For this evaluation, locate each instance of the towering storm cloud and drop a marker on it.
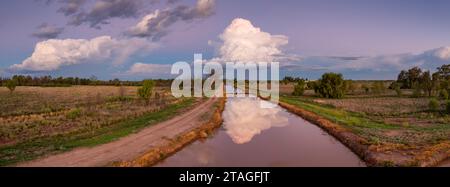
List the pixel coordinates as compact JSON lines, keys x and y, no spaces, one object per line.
{"x":244,"y":42}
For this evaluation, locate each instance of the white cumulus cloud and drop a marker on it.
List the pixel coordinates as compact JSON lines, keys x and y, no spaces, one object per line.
{"x":53,"y":54}
{"x":244,"y":42}
{"x":149,"y":69}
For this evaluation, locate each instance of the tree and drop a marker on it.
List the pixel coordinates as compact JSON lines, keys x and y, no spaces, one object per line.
{"x":11,"y":85}
{"x":444,"y":71}
{"x":299,"y":89}
{"x":331,"y":85}
{"x":410,"y":77}
{"x":426,"y":83}
{"x":145,"y":92}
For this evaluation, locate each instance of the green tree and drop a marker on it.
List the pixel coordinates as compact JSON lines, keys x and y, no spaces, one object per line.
{"x":145,"y":92}
{"x":11,"y":85}
{"x":410,"y":77}
{"x":433,"y":104}
{"x":426,"y":83}
{"x":331,"y":85}
{"x":299,"y":88}
{"x":443,"y":94}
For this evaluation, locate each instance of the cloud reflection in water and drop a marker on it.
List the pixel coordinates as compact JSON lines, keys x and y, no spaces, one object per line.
{"x":244,"y":118}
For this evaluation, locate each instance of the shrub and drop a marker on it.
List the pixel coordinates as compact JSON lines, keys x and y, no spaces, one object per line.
{"x":447,"y":107}
{"x":398,"y":91}
{"x":433,"y":104}
{"x":299,"y":89}
{"x":74,"y":113}
{"x":443,"y":94}
{"x":365,"y":88}
{"x":397,"y":88}
{"x":311,"y":85}
{"x":331,"y":85}
{"x":417,"y":91}
{"x":378,"y":87}
{"x":11,"y":85}
{"x":145,"y":92}
{"x":350,"y":86}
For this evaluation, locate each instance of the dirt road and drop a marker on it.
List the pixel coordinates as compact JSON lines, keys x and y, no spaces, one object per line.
{"x":130,"y":147}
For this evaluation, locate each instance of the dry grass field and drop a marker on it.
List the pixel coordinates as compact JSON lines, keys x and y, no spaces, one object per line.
{"x":398,"y":127}
{"x":38,"y":120}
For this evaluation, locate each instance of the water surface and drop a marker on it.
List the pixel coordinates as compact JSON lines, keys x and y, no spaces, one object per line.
{"x":256,"y":136}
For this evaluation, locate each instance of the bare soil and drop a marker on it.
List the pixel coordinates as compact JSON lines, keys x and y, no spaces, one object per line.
{"x":130,"y":147}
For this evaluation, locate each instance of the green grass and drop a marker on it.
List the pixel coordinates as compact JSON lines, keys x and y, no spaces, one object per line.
{"x":372,"y":130}
{"x":350,"y":119}
{"x":38,"y":147}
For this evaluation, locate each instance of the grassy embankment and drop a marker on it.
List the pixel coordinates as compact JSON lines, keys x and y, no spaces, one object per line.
{"x":377,"y":142}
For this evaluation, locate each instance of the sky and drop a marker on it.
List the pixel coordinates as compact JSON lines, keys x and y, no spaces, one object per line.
{"x":135,"y":39}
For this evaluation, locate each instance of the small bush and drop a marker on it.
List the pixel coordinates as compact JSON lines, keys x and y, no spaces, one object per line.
{"x":443,"y":94}
{"x":397,"y":88}
{"x":378,"y":87}
{"x":447,"y":107}
{"x":11,"y":85}
{"x":398,"y":91}
{"x":74,"y":113}
{"x":146,"y":90}
{"x":433,"y":104}
{"x":417,"y":92}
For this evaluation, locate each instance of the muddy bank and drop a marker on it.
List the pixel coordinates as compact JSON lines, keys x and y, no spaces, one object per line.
{"x":174,"y":145}
{"x":377,"y":155}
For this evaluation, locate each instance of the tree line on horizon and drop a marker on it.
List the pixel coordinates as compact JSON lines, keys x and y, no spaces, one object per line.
{"x":423,"y":83}
{"x":49,"y":81}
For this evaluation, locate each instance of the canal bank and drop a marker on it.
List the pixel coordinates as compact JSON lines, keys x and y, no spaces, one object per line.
{"x":255,"y":136}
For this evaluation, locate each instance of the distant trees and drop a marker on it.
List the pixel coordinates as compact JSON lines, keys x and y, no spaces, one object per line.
{"x":48,"y":81}
{"x":288,"y":79}
{"x":145,"y":92}
{"x":331,"y":85}
{"x":425,"y":83}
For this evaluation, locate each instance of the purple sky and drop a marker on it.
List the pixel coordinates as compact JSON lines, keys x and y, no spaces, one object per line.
{"x":315,"y":29}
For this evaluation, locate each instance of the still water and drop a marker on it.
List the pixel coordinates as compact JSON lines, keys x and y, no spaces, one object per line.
{"x":252,"y":135}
